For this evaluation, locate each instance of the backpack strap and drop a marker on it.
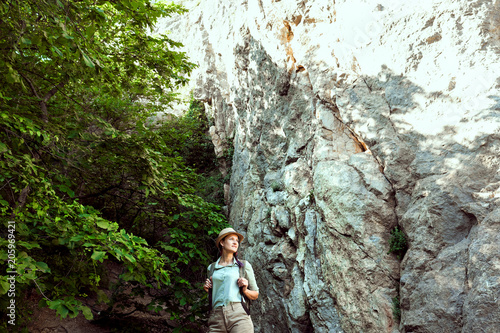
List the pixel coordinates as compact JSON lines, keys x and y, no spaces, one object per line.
{"x":245,"y":302}
{"x":211,"y":270}
{"x":242,"y":269}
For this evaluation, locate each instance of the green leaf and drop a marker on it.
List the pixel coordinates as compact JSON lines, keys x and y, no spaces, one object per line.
{"x":119,"y":253}
{"x":4,"y":286}
{"x":54,"y":304}
{"x":28,"y":245}
{"x":102,"y":297}
{"x":129,"y":257}
{"x":55,"y":49}
{"x":98,"y":255}
{"x":103,"y":224}
{"x":87,"y":60}
{"x":87,"y":313}
{"x":65,"y":35}
{"x":139,"y":240}
{"x":25,"y":41}
{"x":43,"y":267}
{"x":90,"y":30}
{"x":42,"y":303}
{"x":76,"y":238}
{"x":62,"y":310}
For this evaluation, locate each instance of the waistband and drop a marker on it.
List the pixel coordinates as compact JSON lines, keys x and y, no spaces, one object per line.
{"x":230,"y":306}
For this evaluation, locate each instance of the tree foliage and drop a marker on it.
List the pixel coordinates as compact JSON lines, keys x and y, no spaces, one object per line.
{"x":85,"y":174}
{"x":49,"y":45}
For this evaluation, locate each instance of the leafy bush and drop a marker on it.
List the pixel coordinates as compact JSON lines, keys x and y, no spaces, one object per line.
{"x":117,"y":196}
{"x":85,"y":178}
{"x":276,"y":186}
{"x":398,"y":243}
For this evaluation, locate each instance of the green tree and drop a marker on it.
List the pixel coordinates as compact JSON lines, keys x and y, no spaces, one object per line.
{"x":51,"y":47}
{"x":84,"y":174}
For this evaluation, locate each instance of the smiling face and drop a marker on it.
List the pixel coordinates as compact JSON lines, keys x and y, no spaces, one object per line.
{"x":230,"y":243}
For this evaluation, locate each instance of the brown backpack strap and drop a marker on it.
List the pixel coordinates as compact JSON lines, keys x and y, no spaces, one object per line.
{"x":245,"y":302}
{"x":242,"y":268}
{"x":211,"y":270}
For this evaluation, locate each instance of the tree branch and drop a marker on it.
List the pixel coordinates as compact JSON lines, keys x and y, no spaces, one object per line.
{"x":43,"y":101}
{"x":21,"y":200}
{"x":32,"y":86}
{"x":62,"y":92}
{"x":54,"y":90}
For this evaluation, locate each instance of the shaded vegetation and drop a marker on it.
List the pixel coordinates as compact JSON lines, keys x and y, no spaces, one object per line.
{"x":396,"y":308}
{"x":398,"y":243}
{"x":86,"y":175}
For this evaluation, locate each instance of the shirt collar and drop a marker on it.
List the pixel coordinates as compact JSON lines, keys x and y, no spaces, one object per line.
{"x":217,"y":266}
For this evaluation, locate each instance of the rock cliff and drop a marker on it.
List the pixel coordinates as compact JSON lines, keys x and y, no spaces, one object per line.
{"x":349,"y":118}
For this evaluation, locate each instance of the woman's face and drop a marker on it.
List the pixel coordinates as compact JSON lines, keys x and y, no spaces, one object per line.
{"x":230,"y":243}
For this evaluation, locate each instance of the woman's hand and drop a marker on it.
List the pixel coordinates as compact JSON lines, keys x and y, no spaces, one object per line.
{"x":243,"y":283}
{"x":251,"y":294}
{"x":207,"y":285}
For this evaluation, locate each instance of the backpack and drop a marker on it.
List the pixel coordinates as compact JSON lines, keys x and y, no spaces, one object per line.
{"x":245,"y":301}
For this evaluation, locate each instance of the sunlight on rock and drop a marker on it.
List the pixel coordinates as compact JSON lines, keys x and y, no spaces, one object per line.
{"x":350,"y":118}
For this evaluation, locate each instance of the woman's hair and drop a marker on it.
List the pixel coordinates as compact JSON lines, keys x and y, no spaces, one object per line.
{"x":239,"y":263}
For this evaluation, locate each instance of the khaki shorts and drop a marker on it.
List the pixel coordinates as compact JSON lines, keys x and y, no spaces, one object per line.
{"x":231,"y":318}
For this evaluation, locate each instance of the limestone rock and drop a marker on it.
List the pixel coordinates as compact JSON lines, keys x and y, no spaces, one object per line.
{"x":349,"y":118}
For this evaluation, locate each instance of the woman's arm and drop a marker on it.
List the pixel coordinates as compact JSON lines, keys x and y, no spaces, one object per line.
{"x":251,"y":294}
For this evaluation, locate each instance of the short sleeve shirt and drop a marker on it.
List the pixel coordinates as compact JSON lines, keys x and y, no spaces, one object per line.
{"x":225,"y":283}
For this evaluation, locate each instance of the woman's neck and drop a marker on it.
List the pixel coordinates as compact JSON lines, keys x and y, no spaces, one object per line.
{"x":226,"y":258}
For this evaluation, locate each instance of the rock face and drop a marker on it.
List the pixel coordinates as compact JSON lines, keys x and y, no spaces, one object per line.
{"x":349,"y":118}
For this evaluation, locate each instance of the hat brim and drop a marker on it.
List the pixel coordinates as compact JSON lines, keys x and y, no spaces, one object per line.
{"x":229,"y":232}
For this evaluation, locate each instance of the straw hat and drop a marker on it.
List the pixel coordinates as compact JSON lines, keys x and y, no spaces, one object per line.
{"x":225,"y":232}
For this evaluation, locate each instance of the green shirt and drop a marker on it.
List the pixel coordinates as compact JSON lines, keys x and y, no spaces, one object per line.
{"x":225,"y":283}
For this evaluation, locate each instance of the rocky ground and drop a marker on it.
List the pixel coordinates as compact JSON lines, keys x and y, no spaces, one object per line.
{"x":124,"y":319}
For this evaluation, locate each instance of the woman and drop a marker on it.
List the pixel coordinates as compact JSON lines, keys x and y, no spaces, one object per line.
{"x":228,"y":314}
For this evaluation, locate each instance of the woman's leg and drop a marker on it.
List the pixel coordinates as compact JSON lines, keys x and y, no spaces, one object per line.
{"x":237,"y":320}
{"x":216,"y":322}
